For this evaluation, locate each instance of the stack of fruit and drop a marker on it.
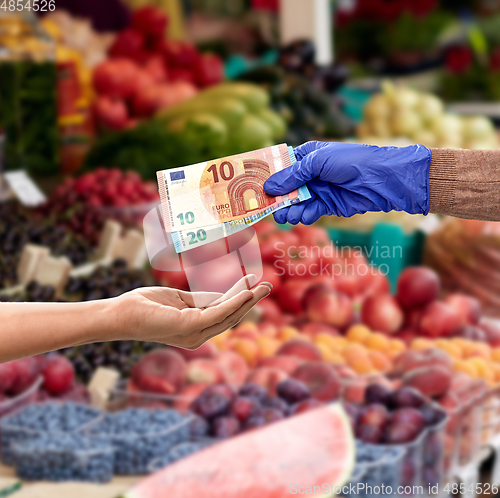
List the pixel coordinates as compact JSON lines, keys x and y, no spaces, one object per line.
{"x":20,"y":227}
{"x":82,"y":204}
{"x":420,"y":118}
{"x":146,"y":72}
{"x":38,"y":378}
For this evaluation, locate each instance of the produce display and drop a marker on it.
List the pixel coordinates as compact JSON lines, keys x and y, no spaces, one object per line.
{"x":222,"y":120}
{"x":146,"y":73}
{"x":402,"y":113}
{"x":466,"y":256}
{"x":303,"y":94}
{"x":345,"y":374}
{"x":21,"y":226}
{"x":293,"y":450}
{"x":82,"y":204}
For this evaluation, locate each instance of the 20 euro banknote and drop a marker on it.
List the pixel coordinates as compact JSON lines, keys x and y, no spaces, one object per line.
{"x":185,"y":240}
{"x":224,"y":190}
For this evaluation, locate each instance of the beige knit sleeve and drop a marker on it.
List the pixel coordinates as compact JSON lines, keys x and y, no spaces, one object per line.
{"x":465,"y":183}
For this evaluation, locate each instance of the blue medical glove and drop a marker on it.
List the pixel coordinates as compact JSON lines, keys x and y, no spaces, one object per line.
{"x":347,"y":179}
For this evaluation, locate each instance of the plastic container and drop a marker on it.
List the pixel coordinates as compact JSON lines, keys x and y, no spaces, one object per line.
{"x":13,"y":431}
{"x":135,"y":449}
{"x":387,"y":246}
{"x":129,"y":216}
{"x":121,"y":398}
{"x":68,"y":458}
{"x":17,"y":402}
{"x":368,"y":477}
{"x":491,"y":415}
{"x":182,"y":450}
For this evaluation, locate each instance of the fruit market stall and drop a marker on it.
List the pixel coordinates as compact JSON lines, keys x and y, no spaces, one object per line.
{"x":375,"y":361}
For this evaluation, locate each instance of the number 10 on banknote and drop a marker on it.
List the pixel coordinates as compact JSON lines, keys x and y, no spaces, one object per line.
{"x":223,"y":190}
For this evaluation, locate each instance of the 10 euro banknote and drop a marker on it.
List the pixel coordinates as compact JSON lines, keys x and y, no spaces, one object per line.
{"x":211,"y":200}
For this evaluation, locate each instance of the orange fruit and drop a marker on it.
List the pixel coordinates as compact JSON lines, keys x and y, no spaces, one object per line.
{"x":495,"y":354}
{"x":361,"y":364}
{"x":286,"y":333}
{"x":358,"y":333}
{"x":354,"y":349}
{"x":483,"y":368}
{"x":421,"y":343}
{"x":449,"y":347}
{"x":377,"y":342}
{"x":248,"y":349}
{"x":379,"y":361}
{"x":466,"y":367}
{"x":397,"y":345}
{"x":267,"y":345}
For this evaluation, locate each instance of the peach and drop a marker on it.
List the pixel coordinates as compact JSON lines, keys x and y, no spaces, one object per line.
{"x":354,"y":350}
{"x":205,"y":371}
{"x":450,"y":348}
{"x":466,"y":367}
{"x":248,"y":350}
{"x":301,"y":349}
{"x":287,"y":364}
{"x":267,"y":346}
{"x":267,"y":377}
{"x":327,"y":354}
{"x":479,"y":350}
{"x":246,"y":334}
{"x":286,"y":333}
{"x":411,"y":359}
{"x":344,"y":371}
{"x":432,"y":381}
{"x":358,"y":333}
{"x":467,"y":307}
{"x":313,"y":329}
{"x":234,"y":367}
{"x":397,"y":345}
{"x":321,"y":379}
{"x":325,"y":339}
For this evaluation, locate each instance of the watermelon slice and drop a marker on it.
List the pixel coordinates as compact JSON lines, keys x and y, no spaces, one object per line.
{"x":311,"y":449}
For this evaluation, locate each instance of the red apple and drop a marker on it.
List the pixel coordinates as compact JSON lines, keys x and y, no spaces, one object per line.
{"x":417,"y":286}
{"x":492,"y":333}
{"x":151,"y":21}
{"x":27,"y":370}
{"x":111,"y":112}
{"x":161,"y":371}
{"x":290,"y":295}
{"x":270,"y":311}
{"x":313,"y":236}
{"x":439,"y":320}
{"x":332,"y":308}
{"x":382,"y":313}
{"x":7,"y":376}
{"x":58,"y":374}
{"x":155,"y":68}
{"x":467,"y":307}
{"x":129,"y":43}
{"x":116,"y":78}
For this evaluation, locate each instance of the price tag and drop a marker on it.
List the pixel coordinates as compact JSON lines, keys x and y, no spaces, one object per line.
{"x":24,"y":188}
{"x":100,"y":386}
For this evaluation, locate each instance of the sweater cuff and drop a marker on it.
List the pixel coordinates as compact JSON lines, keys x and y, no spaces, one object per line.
{"x":442,"y":181}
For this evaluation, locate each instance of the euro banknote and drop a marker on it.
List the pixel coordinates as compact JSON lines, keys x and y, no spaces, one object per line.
{"x":230,"y":189}
{"x":185,"y":240}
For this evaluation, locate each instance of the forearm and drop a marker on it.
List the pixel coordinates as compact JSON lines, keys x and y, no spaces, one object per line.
{"x":465,"y":183}
{"x":28,"y":329}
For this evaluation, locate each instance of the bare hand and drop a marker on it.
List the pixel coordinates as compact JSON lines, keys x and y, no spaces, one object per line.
{"x":186,"y":319}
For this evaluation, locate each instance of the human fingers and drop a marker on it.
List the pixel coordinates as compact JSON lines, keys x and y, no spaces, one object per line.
{"x":199,"y":299}
{"x":245,"y":283}
{"x":281,"y":215}
{"x":217,"y":314}
{"x":259,"y":293}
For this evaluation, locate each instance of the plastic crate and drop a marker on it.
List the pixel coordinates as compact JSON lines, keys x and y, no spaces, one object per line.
{"x":405,"y":249}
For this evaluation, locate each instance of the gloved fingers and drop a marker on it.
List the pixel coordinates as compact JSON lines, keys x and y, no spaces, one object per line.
{"x":280,"y":216}
{"x":302,"y":150}
{"x":295,"y":212}
{"x":285,"y":181}
{"x":313,"y":212}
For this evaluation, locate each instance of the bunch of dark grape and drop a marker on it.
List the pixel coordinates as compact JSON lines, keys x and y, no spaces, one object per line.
{"x":20,"y":226}
{"x":120,"y":355}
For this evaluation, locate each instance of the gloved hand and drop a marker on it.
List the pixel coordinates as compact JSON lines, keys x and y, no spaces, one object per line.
{"x":347,"y":179}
